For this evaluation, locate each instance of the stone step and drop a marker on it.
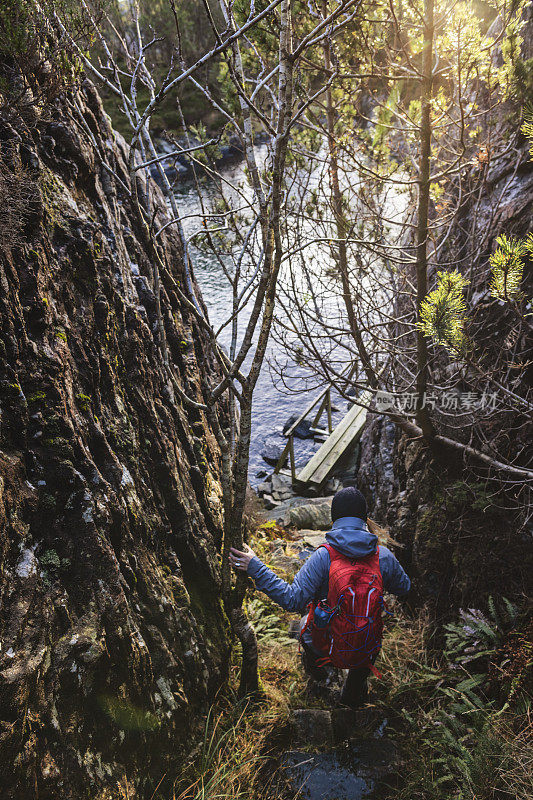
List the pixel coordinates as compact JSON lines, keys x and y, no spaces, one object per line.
{"x":337,"y":754}
{"x":311,"y":726}
{"x":359,"y":771}
{"x":318,"y":727}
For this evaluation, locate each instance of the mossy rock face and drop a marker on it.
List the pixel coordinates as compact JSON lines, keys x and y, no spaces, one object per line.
{"x":114,"y":639}
{"x":465,"y":549}
{"x":83,"y":401}
{"x":457,"y":543}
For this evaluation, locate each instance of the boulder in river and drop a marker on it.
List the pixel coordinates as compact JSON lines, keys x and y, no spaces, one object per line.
{"x":270,"y":502}
{"x":272,"y":449}
{"x":302,"y":430}
{"x":282,"y":487}
{"x":280,"y":482}
{"x":173,"y":169}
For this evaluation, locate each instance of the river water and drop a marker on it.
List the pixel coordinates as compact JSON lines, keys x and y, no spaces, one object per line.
{"x":273,"y":404}
{"x":274,"y":401}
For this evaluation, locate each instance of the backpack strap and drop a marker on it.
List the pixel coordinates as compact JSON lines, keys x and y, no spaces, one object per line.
{"x":334,"y":554}
{"x":373,"y":670}
{"x":309,"y":619}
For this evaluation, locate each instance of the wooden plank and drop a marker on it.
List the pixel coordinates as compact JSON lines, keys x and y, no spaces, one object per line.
{"x":283,"y":457}
{"x":318,"y":468}
{"x":330,"y":424}
{"x":306,"y":411}
{"x":293,"y":462}
{"x":323,"y":462}
{"x":319,"y":412}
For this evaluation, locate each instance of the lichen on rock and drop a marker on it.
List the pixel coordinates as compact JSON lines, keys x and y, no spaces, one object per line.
{"x":113,"y":636}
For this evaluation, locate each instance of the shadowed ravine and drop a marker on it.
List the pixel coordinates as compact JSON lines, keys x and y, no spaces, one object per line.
{"x":381,"y":247}
{"x":327,"y":751}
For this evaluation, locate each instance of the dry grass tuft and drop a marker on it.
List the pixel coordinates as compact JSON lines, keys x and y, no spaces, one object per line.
{"x":240,"y":738}
{"x":20,"y":187}
{"x":516,"y":776}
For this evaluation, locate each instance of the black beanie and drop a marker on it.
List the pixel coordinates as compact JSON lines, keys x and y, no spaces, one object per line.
{"x":348,"y":502}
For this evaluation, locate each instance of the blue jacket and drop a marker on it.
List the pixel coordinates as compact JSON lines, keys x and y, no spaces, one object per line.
{"x":350,"y":536}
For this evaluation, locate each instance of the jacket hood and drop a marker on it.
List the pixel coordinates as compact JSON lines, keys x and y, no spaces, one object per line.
{"x":351,"y":537}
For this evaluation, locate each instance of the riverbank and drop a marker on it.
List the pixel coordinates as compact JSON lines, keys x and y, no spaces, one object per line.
{"x":185,"y":155}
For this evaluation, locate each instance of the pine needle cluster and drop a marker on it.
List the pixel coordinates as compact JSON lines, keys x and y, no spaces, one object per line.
{"x":507,"y":263}
{"x":527,"y":127}
{"x":442,"y":313}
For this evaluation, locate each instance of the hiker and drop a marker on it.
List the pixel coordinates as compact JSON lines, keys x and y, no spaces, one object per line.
{"x":332,"y":633}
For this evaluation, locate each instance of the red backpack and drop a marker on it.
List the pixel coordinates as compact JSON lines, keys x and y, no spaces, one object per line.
{"x":347,"y":628}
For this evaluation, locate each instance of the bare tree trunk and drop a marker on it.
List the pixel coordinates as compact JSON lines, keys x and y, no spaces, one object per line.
{"x":249,"y":678}
{"x":249,"y":683}
{"x":422,"y":414}
{"x":340,"y":219}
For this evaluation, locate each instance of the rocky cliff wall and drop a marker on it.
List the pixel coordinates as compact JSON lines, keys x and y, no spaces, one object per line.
{"x":112,"y":633}
{"x":463,"y":537}
{"x":459,"y":538}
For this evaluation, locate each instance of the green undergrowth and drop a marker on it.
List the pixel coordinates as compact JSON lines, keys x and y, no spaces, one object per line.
{"x":462,"y":720}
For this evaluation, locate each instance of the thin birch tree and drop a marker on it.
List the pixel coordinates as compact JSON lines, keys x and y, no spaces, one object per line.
{"x":408,"y":118}
{"x":243,"y":228}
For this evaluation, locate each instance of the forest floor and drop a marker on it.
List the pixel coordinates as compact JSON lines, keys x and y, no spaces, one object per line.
{"x":456,"y":725}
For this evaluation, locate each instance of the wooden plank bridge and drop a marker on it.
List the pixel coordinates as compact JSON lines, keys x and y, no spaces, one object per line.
{"x":335,"y":442}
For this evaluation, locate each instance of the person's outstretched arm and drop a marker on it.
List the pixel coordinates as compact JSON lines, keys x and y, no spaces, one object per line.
{"x":291,"y":596}
{"x":395,"y":578}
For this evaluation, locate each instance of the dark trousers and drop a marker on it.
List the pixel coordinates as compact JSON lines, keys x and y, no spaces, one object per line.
{"x":355,"y":690}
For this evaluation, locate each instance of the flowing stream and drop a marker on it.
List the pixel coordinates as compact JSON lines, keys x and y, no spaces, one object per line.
{"x":275,"y":401}
{"x":273,"y":405}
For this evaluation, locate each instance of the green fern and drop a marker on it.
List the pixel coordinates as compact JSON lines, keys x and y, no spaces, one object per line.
{"x":268,"y":626}
{"x":458,"y":751}
{"x":478,"y":634}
